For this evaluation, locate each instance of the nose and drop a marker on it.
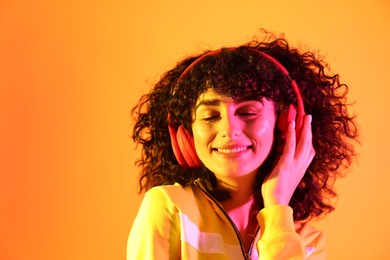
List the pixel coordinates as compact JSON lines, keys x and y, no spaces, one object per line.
{"x":230,"y":126}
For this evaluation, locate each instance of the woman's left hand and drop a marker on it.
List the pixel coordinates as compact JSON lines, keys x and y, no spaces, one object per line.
{"x":280,"y":184}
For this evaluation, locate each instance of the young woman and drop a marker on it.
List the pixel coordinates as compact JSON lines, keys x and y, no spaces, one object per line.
{"x":240,"y":148}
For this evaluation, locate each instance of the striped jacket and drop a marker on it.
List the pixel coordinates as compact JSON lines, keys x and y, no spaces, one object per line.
{"x":176,"y":222}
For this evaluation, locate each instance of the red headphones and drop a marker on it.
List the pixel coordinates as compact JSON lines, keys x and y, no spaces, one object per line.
{"x":183,"y":143}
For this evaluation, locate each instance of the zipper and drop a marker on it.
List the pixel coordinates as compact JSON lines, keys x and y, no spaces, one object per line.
{"x":246,"y":255}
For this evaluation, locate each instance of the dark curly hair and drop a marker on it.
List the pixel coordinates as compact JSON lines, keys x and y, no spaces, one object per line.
{"x":238,"y":72}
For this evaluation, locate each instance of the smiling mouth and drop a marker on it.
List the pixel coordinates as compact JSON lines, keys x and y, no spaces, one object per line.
{"x":231,"y":150}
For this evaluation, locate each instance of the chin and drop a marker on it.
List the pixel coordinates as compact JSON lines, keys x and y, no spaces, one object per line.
{"x":237,"y":173}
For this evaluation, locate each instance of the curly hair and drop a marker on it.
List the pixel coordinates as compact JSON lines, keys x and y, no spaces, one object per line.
{"x":238,"y":72}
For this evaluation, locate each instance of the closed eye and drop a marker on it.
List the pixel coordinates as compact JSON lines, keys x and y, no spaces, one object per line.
{"x":247,"y":115}
{"x":211,"y":118}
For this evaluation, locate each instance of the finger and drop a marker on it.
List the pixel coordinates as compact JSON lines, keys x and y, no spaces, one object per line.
{"x":305,"y":145}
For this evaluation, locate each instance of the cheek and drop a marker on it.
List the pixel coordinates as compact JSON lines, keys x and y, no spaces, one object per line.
{"x":201,"y":137}
{"x":264,"y":126}
{"x":264,"y":132}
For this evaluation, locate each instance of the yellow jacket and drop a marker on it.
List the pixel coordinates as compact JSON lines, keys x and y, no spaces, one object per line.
{"x":176,"y":222}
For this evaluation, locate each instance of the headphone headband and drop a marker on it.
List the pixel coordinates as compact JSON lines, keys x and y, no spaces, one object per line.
{"x":267,"y":56}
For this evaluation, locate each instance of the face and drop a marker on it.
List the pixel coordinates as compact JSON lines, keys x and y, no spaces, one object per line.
{"x":233,"y":137}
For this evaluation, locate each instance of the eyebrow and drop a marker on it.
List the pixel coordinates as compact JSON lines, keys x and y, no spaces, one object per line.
{"x":216,"y":101}
{"x":209,"y":102}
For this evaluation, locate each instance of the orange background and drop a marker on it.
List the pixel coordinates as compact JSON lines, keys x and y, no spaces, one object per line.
{"x":71,"y":70}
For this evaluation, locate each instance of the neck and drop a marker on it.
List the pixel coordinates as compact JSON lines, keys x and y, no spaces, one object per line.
{"x":235,"y":192}
{"x":240,"y":205}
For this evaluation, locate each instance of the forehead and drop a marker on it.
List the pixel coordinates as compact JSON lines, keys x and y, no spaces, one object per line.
{"x":213,"y":98}
{"x":210,"y":97}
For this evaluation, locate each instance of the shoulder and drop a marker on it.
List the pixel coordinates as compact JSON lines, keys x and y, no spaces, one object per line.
{"x":169,"y":192}
{"x":314,"y":240}
{"x":161,"y":203}
{"x":169,"y":196}
{"x":307,"y":231}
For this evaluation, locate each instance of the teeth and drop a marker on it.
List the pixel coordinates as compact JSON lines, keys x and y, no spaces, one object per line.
{"x":233,"y":150}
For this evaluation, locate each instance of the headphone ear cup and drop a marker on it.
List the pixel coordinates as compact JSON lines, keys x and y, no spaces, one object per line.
{"x":175,"y":146}
{"x":286,"y":117}
{"x":186,"y":144}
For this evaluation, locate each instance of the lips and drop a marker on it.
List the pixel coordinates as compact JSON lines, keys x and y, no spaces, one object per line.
{"x":232,"y":150}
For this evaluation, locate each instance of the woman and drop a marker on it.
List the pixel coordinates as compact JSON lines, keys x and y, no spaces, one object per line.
{"x":240,"y":148}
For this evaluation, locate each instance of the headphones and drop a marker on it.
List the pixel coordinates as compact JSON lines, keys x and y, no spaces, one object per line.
{"x":183,"y":143}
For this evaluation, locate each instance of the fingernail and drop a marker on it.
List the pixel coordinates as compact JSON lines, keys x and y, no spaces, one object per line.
{"x":293,"y":124}
{"x":310,"y":118}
